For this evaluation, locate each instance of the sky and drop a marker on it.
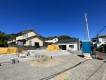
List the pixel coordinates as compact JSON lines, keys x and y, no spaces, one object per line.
{"x":53,"y":17}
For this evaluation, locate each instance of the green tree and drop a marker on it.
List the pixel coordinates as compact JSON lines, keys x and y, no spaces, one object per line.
{"x":3,"y":39}
{"x":11,"y":36}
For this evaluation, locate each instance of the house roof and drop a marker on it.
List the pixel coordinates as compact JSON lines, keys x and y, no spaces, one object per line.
{"x":40,"y":37}
{"x":50,"y":38}
{"x":102,"y":36}
{"x":67,"y":41}
{"x":27,"y":31}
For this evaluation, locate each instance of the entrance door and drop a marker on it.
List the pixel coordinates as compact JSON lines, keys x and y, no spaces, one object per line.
{"x":63,"y":47}
{"x":37,"y":45}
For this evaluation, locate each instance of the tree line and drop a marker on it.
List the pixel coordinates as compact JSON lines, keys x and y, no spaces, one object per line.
{"x":4,"y":38}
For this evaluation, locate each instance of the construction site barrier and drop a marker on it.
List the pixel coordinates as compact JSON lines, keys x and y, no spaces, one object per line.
{"x":10,"y":50}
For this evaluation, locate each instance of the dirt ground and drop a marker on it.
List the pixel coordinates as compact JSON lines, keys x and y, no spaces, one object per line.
{"x":48,"y":63}
{"x":51,"y":63}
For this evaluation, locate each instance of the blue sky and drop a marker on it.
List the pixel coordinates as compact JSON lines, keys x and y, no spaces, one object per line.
{"x":53,"y":17}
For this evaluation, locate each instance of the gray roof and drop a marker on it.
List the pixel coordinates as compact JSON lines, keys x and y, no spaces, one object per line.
{"x":102,"y":36}
{"x":67,"y":41}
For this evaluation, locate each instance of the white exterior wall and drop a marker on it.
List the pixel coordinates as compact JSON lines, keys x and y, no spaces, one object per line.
{"x":32,"y":42}
{"x":73,"y":49}
{"x":69,"y":48}
{"x":101,"y":41}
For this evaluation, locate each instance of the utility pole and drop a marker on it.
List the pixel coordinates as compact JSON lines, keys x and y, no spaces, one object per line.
{"x":86,"y":28}
{"x":86,"y":44}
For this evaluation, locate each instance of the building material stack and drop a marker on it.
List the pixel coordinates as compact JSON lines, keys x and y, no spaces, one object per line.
{"x":53,"y":47}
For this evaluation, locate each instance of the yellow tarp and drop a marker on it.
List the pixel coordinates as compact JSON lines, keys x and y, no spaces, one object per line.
{"x":3,"y":50}
{"x":53,"y":47}
{"x":9,"y":50}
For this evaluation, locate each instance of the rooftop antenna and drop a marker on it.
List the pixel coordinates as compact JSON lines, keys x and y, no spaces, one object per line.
{"x":87,"y":28}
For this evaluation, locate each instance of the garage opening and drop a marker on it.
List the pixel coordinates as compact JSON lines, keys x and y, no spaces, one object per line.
{"x":37,"y":45}
{"x":63,"y":47}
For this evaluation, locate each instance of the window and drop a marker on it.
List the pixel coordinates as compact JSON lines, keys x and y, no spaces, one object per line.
{"x":71,"y":46}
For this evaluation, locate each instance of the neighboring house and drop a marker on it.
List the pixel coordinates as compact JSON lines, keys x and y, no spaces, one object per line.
{"x":69,"y":45}
{"x":65,"y":43}
{"x":99,"y":41}
{"x":28,"y":38}
{"x":52,"y":40}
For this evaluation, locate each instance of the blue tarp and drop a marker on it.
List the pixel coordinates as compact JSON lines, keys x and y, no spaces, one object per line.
{"x":86,"y":47}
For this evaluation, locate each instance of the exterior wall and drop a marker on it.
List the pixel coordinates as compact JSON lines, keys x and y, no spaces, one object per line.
{"x":101,"y":41}
{"x":32,"y":42}
{"x":74,"y":48}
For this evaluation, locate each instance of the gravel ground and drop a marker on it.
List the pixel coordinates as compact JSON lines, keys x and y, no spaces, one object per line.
{"x":19,"y":71}
{"x":33,"y":53}
{"x":24,"y":71}
{"x":7,"y":57}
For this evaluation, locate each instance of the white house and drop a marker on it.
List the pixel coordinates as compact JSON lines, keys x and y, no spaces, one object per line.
{"x":99,"y":41}
{"x":73,"y":46}
{"x":102,"y":40}
{"x":28,"y":38}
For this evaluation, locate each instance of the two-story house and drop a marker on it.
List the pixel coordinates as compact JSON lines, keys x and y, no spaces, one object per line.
{"x":28,"y":38}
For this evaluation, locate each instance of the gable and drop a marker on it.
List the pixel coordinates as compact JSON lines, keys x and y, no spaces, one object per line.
{"x":26,"y":35}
